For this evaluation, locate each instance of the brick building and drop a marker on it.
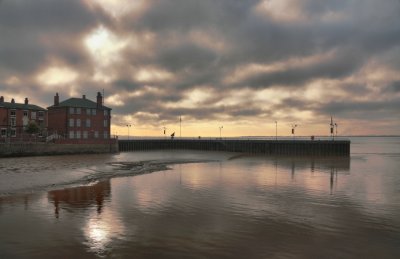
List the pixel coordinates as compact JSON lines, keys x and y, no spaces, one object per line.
{"x":79,"y":120}
{"x":15,"y":118}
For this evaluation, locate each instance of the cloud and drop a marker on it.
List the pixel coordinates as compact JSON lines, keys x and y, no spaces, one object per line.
{"x":242,"y":60}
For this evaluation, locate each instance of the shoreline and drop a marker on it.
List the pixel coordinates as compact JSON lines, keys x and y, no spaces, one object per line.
{"x":116,"y":169}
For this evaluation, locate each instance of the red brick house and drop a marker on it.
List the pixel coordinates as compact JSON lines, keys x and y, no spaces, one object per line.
{"x":15,"y":117}
{"x":79,"y":120}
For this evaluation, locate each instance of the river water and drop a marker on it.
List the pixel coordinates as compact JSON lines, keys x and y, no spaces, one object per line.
{"x":189,"y":204}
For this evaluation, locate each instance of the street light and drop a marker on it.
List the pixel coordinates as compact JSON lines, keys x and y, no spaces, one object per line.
{"x":336,"y":126}
{"x":276,"y":130}
{"x":220,"y":129}
{"x":128,"y":126}
{"x":293,"y":130}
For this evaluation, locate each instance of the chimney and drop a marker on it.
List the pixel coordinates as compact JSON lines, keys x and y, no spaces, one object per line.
{"x":12,"y":100}
{"x":99,"y":99}
{"x":84,"y":97}
{"x":56,"y":100}
{"x":26,"y":101}
{"x":1,"y":99}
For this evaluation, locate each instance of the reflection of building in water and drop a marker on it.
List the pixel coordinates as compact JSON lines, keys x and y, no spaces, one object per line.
{"x":81,"y":197}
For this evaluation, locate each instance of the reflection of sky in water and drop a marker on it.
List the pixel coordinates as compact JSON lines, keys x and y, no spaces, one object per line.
{"x":245,"y":207}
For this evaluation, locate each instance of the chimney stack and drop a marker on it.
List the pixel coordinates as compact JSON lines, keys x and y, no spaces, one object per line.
{"x":12,"y":100}
{"x":56,"y":100}
{"x":26,"y":101}
{"x":84,"y":97}
{"x":99,"y":99}
{"x":1,"y":99}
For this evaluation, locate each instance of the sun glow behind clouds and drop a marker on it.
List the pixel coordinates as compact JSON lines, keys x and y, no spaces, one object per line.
{"x":118,"y":8}
{"x":57,"y":76}
{"x":104,"y":48}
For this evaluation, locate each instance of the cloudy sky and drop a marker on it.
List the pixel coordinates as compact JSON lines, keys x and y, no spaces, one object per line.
{"x":243,"y":64}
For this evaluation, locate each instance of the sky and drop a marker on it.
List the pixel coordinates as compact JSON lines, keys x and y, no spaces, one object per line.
{"x":238,"y":64}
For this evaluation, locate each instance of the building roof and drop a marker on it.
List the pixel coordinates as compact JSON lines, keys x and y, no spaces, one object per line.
{"x":79,"y":102}
{"x":21,"y":106}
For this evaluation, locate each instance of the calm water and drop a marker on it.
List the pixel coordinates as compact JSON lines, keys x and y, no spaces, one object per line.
{"x":232,"y":207}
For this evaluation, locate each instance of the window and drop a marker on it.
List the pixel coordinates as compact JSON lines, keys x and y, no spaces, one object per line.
{"x":13,"y":121}
{"x":25,"y":113}
{"x":12,"y":113}
{"x":87,"y":123}
{"x":71,"y":134}
{"x":71,"y":122}
{"x":33,"y":115}
{"x":71,"y":110}
{"x":78,"y":134}
{"x":96,"y":134}
{"x":105,"y":112}
{"x":78,"y":122}
{"x":105,"y":135}
{"x":78,"y":110}
{"x":13,"y":132}
{"x":94,"y":112}
{"x":3,"y":133}
{"x":85,"y":134}
{"x":41,"y":115}
{"x":105,"y":123}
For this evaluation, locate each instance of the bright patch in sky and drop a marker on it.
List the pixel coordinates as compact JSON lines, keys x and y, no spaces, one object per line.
{"x":104,"y":46}
{"x":57,"y":76}
{"x":152,"y":74}
{"x":114,"y":100}
{"x":118,"y":8}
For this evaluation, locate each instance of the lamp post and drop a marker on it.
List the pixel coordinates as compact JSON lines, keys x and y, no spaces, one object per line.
{"x":336,"y":126}
{"x":293,"y":130}
{"x":128,"y":126}
{"x":180,"y":126}
{"x":276,"y":130}
{"x":165,"y":131}
{"x":220,"y":129}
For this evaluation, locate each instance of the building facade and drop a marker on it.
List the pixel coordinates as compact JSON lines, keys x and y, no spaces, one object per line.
{"x":16,"y":118}
{"x":79,"y":120}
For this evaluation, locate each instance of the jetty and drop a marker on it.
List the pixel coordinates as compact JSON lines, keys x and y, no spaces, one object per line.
{"x":252,"y":146}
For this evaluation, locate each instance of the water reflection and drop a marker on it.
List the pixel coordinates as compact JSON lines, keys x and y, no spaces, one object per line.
{"x":81,"y":197}
{"x":332,"y":165}
{"x":102,"y":225}
{"x":244,"y":207}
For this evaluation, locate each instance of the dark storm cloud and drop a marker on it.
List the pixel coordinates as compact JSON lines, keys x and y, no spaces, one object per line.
{"x":33,"y":31}
{"x":394,"y":87}
{"x":337,"y":67}
{"x":363,"y":109}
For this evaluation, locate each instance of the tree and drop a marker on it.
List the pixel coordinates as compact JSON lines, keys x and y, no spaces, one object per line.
{"x":32,"y":128}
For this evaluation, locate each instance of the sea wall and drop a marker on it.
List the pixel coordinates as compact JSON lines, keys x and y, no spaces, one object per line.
{"x":42,"y":149}
{"x":268,"y":147}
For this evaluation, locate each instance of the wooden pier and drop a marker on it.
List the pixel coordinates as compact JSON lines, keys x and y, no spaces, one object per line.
{"x":267,"y":147}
